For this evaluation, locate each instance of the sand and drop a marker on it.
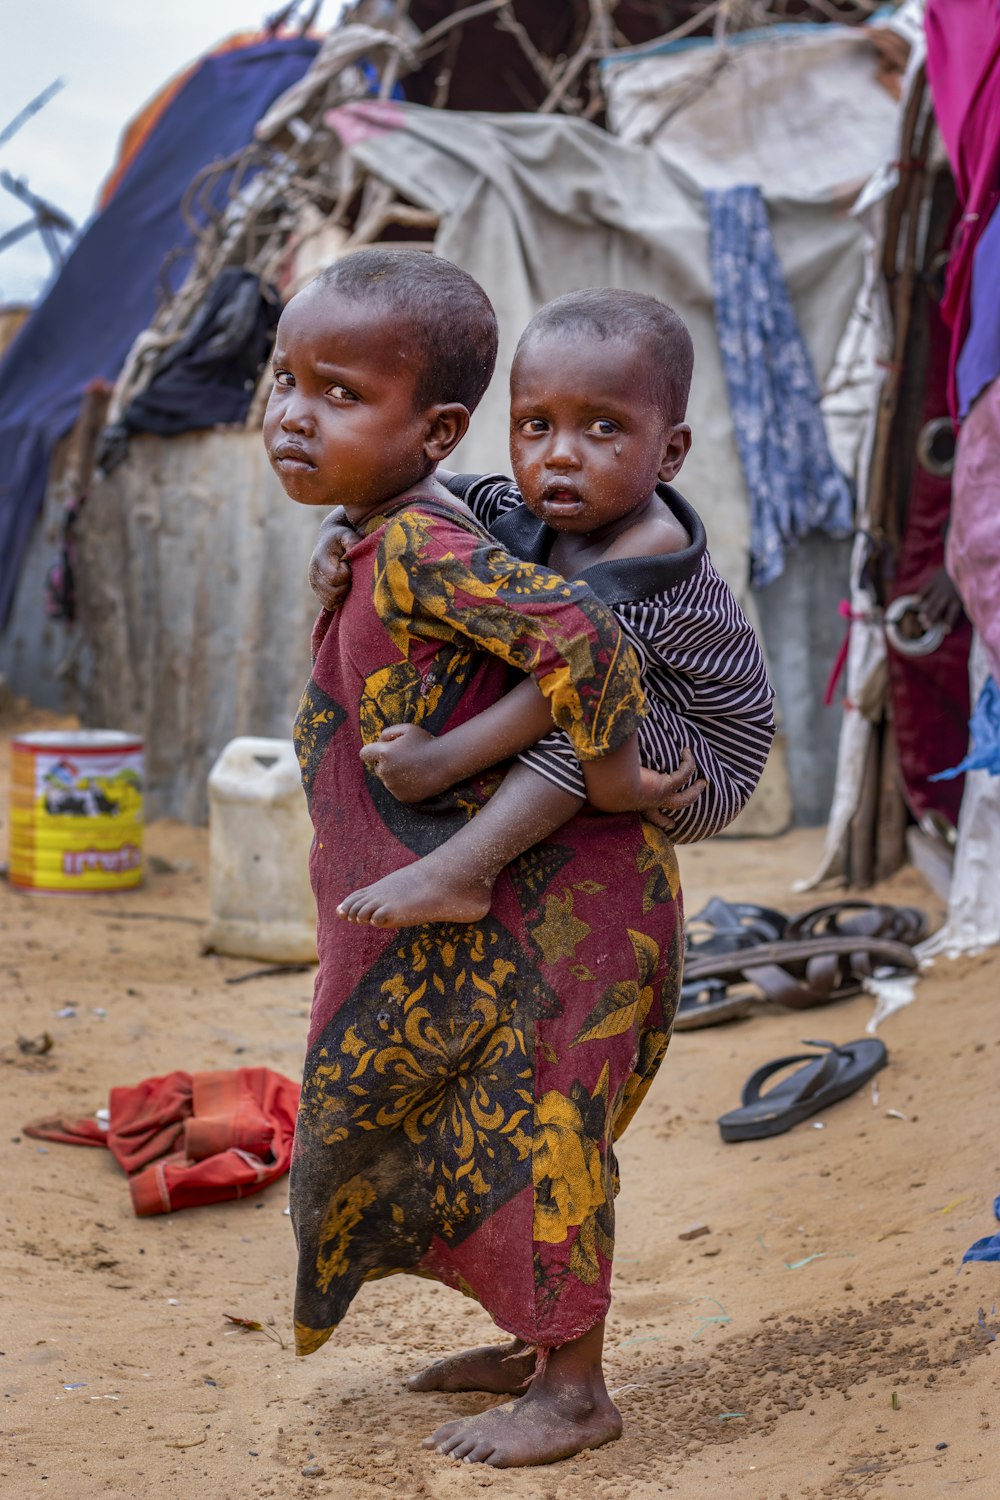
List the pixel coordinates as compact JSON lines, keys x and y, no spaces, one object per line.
{"x":821,"y":1340}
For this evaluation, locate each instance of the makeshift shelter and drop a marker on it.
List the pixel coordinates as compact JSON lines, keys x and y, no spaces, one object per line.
{"x":81,"y":332}
{"x":192,"y":607}
{"x":934,"y":290}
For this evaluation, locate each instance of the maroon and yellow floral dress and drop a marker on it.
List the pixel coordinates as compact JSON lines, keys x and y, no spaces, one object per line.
{"x":465,"y":1082}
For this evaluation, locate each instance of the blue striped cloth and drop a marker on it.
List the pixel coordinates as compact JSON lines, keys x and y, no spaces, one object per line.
{"x":795,"y":487}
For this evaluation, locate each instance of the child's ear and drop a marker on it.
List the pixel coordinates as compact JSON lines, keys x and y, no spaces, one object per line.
{"x":676,"y":450}
{"x":446,"y":427}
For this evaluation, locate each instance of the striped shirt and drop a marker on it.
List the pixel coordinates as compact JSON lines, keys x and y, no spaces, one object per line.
{"x":703,"y":672}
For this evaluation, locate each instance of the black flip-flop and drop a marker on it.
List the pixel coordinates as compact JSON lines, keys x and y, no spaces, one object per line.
{"x":826,"y":1076}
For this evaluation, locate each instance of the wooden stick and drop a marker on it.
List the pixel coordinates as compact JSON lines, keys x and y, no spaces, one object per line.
{"x":435,"y":33}
{"x":546,"y":70}
{"x":659,"y":42}
{"x":570,"y":72}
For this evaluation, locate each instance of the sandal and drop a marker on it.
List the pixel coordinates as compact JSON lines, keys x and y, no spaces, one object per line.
{"x":903,"y":924}
{"x":809,"y":972}
{"x":707,"y":1002}
{"x":826,"y":1076}
{"x":729,"y":926}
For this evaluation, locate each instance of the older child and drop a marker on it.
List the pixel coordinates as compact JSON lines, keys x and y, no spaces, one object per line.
{"x":464,"y":1083}
{"x":599,"y":387}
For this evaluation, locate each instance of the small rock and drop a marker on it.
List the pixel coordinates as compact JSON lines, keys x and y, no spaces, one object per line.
{"x":939,"y":1446}
{"x":313,"y":1471}
{"x":694,"y":1232}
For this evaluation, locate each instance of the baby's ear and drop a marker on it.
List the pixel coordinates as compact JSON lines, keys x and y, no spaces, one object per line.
{"x":447,"y":425}
{"x":676,"y":450}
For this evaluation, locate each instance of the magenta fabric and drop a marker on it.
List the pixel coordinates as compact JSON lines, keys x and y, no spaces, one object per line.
{"x":963,"y":70}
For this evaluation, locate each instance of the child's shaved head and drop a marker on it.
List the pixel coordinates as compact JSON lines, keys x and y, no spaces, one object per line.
{"x":445,"y":318}
{"x":659,"y":335}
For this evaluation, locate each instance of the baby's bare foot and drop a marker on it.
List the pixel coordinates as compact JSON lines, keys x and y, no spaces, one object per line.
{"x":540,"y":1428}
{"x":422,"y":892}
{"x":503,"y":1369}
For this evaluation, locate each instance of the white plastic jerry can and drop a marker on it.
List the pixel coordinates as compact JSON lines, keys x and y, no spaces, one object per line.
{"x":259,"y":837}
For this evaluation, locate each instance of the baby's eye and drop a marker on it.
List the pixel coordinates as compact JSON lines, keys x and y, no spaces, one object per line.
{"x":533,"y":425}
{"x":603,"y":427}
{"x":283,"y":379}
{"x":341,"y":393}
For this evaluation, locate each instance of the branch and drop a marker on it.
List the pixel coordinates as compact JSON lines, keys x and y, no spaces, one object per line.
{"x":468,"y":14}
{"x":647,"y":49}
{"x":547,"y":72}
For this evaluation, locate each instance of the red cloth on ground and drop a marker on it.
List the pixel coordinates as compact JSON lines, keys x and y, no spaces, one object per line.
{"x":187,"y":1139}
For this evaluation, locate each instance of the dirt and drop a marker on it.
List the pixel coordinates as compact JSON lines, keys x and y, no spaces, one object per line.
{"x":822,"y":1340}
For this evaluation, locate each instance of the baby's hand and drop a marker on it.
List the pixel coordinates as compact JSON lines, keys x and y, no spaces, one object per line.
{"x":329,"y":572}
{"x":409,"y":762}
{"x":665,"y":793}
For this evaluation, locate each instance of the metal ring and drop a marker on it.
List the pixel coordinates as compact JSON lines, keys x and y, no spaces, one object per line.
{"x":906,"y":645}
{"x":936,"y":447}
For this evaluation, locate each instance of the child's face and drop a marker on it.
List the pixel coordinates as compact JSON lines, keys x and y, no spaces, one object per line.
{"x":588,"y":438}
{"x":341,"y":427}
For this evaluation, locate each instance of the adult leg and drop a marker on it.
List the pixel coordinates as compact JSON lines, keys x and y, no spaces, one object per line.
{"x":455,"y":882}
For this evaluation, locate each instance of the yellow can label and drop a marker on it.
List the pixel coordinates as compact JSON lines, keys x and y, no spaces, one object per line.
{"x":76,"y":818}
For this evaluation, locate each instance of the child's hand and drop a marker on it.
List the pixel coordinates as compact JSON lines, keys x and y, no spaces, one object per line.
{"x":665,"y":793}
{"x":329,"y":572}
{"x":410,"y":763}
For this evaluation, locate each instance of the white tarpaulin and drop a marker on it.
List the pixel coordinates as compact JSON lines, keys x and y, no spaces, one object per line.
{"x":795,"y":109}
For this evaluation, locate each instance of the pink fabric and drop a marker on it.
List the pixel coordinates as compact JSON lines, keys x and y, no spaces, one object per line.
{"x":973,"y":554}
{"x":358,"y":122}
{"x":963,"y":70}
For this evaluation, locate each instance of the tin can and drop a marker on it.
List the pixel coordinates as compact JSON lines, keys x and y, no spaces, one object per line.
{"x":76,"y":810}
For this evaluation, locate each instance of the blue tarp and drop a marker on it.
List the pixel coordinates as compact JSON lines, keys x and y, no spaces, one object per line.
{"x":106,"y":293}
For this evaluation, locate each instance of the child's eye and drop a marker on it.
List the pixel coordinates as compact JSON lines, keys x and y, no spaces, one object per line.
{"x":604,"y":427}
{"x":283,"y":379}
{"x":341,"y":393}
{"x":533,"y":425}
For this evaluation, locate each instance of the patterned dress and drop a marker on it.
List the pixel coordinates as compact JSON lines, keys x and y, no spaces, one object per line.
{"x":464,"y":1083}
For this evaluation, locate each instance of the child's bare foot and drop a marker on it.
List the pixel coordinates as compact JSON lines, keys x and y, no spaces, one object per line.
{"x":431,"y":890}
{"x":565,"y":1409}
{"x":540,"y":1428}
{"x":503,"y":1369}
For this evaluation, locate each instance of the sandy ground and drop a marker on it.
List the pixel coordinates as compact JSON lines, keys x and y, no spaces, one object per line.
{"x":821,"y":1341}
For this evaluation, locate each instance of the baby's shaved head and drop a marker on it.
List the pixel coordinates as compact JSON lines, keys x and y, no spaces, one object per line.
{"x":439,"y":311}
{"x":659,"y":335}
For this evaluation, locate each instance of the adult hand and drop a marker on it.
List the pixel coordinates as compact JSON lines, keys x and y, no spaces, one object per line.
{"x":939,"y":602}
{"x":329,"y":572}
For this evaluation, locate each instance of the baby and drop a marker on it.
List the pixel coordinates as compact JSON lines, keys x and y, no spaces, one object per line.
{"x":599,"y":388}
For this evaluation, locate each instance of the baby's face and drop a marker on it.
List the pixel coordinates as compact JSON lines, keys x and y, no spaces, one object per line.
{"x":341,"y":427}
{"x":587,"y":435}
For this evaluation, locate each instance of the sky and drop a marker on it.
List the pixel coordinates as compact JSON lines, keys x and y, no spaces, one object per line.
{"x":113,"y":55}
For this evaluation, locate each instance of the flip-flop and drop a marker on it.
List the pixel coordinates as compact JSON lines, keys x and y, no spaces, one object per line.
{"x":902,"y":924}
{"x":729,"y":926}
{"x":824,"y":1078}
{"x":809,"y":972}
{"x":708,"y":1002}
